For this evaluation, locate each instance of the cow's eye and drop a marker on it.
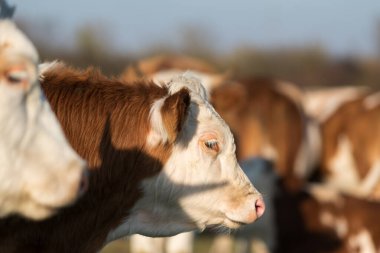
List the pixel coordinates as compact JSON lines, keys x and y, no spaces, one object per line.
{"x":212,"y":145}
{"x":17,"y":77}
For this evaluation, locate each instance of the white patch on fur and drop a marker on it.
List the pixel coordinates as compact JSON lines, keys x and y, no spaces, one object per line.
{"x":158,"y":133}
{"x":341,"y":227}
{"x":326,"y":218}
{"x":17,"y":43}
{"x":344,"y":174}
{"x":209,"y":81}
{"x":362,"y":242}
{"x":48,"y":66}
{"x":371,"y":180}
{"x":309,"y":153}
{"x":269,"y":152}
{"x":372,"y":101}
{"x":339,"y":224}
{"x":165,"y":76}
{"x":325,"y":194}
{"x":291,"y":91}
{"x":321,"y":104}
{"x":189,"y":81}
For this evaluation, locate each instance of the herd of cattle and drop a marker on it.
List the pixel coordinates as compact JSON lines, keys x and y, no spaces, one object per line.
{"x":314,"y":154}
{"x":87,"y":159}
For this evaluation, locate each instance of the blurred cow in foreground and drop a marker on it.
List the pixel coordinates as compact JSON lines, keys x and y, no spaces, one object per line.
{"x":39,"y":171}
{"x":161,"y":160}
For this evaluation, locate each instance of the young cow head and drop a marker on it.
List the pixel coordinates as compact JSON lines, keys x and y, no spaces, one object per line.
{"x":201,"y":183}
{"x":39,"y":171}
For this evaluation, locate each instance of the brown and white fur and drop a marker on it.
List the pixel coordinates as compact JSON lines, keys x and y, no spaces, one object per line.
{"x":351,"y":147}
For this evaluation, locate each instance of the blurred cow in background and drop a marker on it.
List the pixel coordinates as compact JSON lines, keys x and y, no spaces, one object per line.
{"x":339,"y":215}
{"x":349,"y":118}
{"x":334,"y":129}
{"x":39,"y":170}
{"x":351,"y":146}
{"x":322,"y":219}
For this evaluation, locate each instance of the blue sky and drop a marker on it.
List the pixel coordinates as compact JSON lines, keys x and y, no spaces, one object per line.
{"x":341,"y":26}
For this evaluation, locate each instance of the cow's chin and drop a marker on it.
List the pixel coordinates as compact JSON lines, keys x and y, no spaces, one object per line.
{"x":232,"y":224}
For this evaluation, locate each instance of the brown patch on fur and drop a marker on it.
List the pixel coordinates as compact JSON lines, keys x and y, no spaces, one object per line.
{"x":150,"y":66}
{"x":259,"y":116}
{"x":174,"y":112}
{"x":4,"y":46}
{"x":107,"y":123}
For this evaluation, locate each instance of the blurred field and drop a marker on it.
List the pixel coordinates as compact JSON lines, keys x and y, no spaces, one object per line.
{"x":307,"y":65}
{"x":202,"y":245}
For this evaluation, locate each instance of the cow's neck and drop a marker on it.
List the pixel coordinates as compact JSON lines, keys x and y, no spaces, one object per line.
{"x":111,"y":138}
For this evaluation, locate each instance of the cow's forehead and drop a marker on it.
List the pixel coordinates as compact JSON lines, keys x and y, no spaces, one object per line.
{"x":13,"y":41}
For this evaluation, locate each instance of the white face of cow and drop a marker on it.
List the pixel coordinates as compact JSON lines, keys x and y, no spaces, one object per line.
{"x":201,"y":183}
{"x":39,"y":171}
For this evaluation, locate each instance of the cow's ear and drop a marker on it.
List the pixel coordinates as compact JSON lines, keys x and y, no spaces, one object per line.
{"x":174,"y":112}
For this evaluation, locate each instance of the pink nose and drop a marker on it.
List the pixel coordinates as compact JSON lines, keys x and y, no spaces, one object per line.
{"x":260,"y":207}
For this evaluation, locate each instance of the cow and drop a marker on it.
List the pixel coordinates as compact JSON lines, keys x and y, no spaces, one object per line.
{"x":267,"y":118}
{"x":39,"y":170}
{"x":351,"y":146}
{"x":162,"y":162}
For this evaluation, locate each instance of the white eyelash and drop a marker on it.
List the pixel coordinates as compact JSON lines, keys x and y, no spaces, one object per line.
{"x":211,"y":143}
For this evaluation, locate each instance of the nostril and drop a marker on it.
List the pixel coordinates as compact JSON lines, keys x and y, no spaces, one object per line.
{"x":83,"y":185}
{"x":260,"y":207}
